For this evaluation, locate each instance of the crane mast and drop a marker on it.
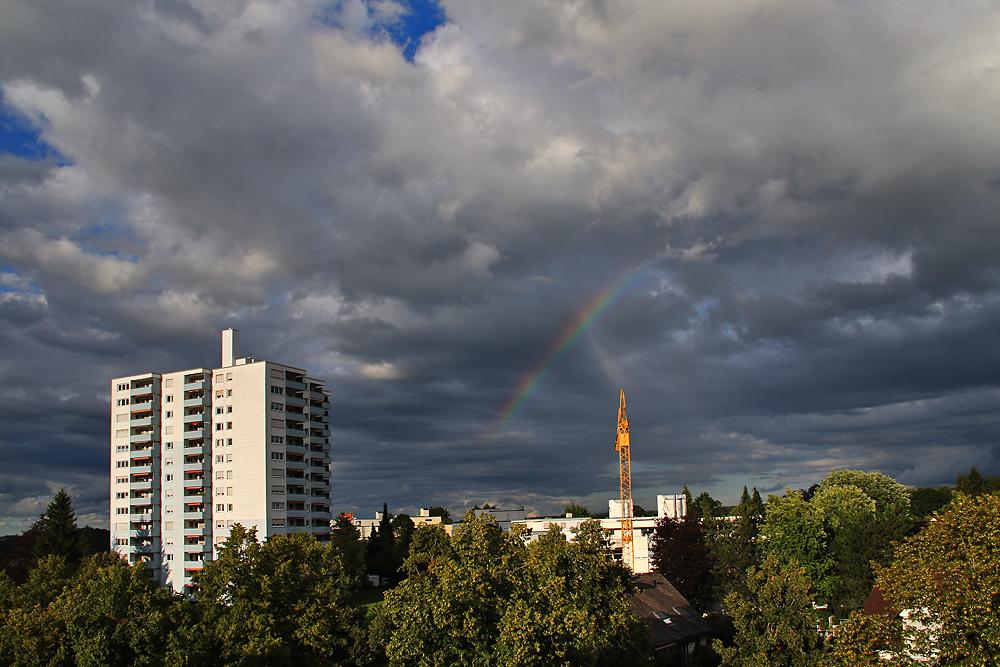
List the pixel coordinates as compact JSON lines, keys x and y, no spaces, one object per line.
{"x":625,"y":474}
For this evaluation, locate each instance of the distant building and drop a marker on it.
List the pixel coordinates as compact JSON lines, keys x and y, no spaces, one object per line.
{"x":194,"y":452}
{"x":642,"y":527}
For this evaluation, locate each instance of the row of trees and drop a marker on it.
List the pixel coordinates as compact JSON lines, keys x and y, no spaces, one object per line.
{"x":482,"y":597}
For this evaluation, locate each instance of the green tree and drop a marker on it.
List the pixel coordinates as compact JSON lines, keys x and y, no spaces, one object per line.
{"x":579,"y":510}
{"x":486,"y":598}
{"x":775,"y":625}
{"x":867,"y":641}
{"x":286,"y":601}
{"x":947,"y":578}
{"x":925,"y":501}
{"x":892,"y":502}
{"x":382,"y":558}
{"x":705,"y":506}
{"x":794,"y":531}
{"x":853,"y":541}
{"x":756,"y":502}
{"x":115,"y":614}
{"x":345,"y":539}
{"x":402,"y":530}
{"x":32,"y":633}
{"x":733,"y":548}
{"x":678,"y":551}
{"x":58,"y":534}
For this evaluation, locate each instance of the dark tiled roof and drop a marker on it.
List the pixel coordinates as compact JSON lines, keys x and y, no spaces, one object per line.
{"x":670,"y":618}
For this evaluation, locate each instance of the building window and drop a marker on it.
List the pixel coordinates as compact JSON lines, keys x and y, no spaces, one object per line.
{"x":121,"y":448}
{"x":169,"y":430}
{"x":229,"y":426}
{"x":170,"y":399}
{"x":121,"y":464}
{"x":218,"y":443}
{"x":278,"y":489}
{"x":220,"y":458}
{"x":122,"y":510}
{"x":277,"y":472}
{"x":218,"y":410}
{"x":229,"y":474}
{"x":169,"y":383}
{"x":277,"y":456}
{"x":123,"y":417}
{"x":170,"y":414}
{"x":229,"y":408}
{"x":277,"y":391}
{"x":229,"y":458}
{"x":121,"y":494}
{"x":218,"y":393}
{"x":218,"y":427}
{"x":277,"y":407}
{"x":169,"y":493}
{"x":219,"y":491}
{"x":168,"y":462}
{"x":168,"y":478}
{"x":218,"y":379}
{"x":229,"y":376}
{"x":168,"y":509}
{"x":220,"y":507}
{"x":277,"y":506}
{"x":277,"y":439}
{"x":220,"y":474}
{"x":170,"y":556}
{"x":121,"y":433}
{"x":122,"y":480}
{"x":277,"y":423}
{"x":168,"y":525}
{"x":229,"y":442}
{"x":229,"y":392}
{"x":170,"y":445}
{"x":229,"y":507}
{"x":277,"y":523}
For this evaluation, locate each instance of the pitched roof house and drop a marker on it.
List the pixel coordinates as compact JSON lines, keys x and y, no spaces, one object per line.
{"x":671,"y":619}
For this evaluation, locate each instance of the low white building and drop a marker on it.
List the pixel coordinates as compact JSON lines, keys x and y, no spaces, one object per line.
{"x":673,"y":506}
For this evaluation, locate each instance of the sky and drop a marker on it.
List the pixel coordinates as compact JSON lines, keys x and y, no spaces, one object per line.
{"x":774,"y":223}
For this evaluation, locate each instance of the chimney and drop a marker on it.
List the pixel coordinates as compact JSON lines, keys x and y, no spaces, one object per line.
{"x":230,"y":346}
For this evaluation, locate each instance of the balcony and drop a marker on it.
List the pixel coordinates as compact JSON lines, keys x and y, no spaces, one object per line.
{"x":143,"y":485}
{"x":295,"y":386}
{"x":197,"y":385}
{"x":296,"y":416}
{"x":295,"y":400}
{"x":147,"y":390}
{"x":148,"y":436}
{"x":194,"y":418}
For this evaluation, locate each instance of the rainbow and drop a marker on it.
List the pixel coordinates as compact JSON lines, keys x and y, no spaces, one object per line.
{"x":584,"y":319}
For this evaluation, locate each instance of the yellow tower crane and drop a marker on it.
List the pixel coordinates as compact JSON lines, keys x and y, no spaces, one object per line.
{"x":625,"y":469}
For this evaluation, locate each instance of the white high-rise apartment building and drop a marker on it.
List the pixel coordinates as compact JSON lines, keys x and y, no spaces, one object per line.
{"x":197,"y":451}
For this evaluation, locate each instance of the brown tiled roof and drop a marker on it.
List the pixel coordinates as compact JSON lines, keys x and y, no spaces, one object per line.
{"x":670,"y":618}
{"x":876,"y":605}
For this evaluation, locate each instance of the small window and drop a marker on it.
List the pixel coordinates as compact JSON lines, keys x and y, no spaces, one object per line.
{"x":229,"y":507}
{"x":121,"y":433}
{"x":170,"y":382}
{"x":218,"y":393}
{"x":229,"y":458}
{"x":169,"y":445}
{"x":219,"y":507}
{"x":229,"y":426}
{"x":229,"y":376}
{"x":168,"y":462}
{"x":277,"y":439}
{"x":277,"y":391}
{"x":218,"y":379}
{"x":277,"y":407}
{"x":218,"y":410}
{"x":218,"y":443}
{"x":277,"y":506}
{"x":219,"y":491}
{"x":229,"y":474}
{"x":220,"y":474}
{"x":124,"y":417}
{"x":169,"y":430}
{"x":220,"y":458}
{"x":168,"y":509}
{"x":277,"y":523}
{"x":277,"y":456}
{"x":170,"y":414}
{"x":168,"y":478}
{"x":169,"y":493}
{"x":229,"y":392}
{"x":277,"y":488}
{"x":168,"y":525}
{"x":122,"y":480}
{"x":229,"y":442}
{"x":277,"y":472}
{"x":170,"y":399}
{"x":218,"y":427}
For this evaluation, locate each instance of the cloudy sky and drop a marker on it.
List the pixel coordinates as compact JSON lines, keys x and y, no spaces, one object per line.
{"x":775,"y":223}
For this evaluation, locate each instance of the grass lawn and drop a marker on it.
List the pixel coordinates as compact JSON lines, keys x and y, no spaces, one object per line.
{"x":368,"y":596}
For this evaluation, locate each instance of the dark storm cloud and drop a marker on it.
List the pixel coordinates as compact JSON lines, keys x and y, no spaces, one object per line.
{"x":811,"y":186}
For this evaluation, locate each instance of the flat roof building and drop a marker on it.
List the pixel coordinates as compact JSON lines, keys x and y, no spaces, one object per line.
{"x":194,"y":452}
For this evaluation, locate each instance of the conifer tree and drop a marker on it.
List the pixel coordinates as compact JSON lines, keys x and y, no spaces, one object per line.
{"x":59,"y":535}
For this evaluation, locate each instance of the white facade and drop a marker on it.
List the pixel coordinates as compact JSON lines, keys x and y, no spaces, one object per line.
{"x":195,"y":452}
